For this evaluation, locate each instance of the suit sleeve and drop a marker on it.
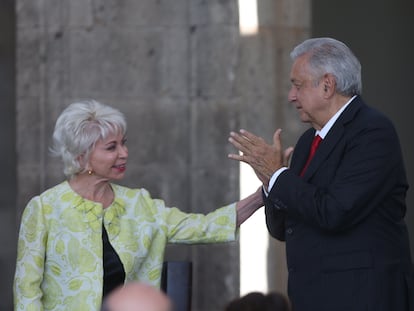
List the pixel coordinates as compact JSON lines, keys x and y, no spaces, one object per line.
{"x":275,"y":219}
{"x":362,"y":173}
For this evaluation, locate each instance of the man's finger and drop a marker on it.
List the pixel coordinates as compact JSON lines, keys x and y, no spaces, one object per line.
{"x":241,"y":142}
{"x":238,"y":157}
{"x":234,"y":156}
{"x":287,"y":155}
{"x":237,"y":144}
{"x":249,"y":136}
{"x":277,"y":143}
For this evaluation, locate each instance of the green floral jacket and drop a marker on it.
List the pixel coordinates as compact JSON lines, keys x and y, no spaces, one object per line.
{"x":59,"y":260}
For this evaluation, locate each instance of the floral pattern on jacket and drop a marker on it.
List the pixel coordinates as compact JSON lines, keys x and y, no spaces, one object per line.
{"x":59,"y":260}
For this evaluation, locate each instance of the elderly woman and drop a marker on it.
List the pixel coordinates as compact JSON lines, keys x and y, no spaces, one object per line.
{"x":85,"y":236}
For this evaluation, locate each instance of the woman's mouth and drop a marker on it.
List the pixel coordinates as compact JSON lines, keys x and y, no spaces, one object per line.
{"x":120,"y":167}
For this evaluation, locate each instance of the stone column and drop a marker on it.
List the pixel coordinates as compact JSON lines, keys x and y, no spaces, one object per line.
{"x":263,"y":73}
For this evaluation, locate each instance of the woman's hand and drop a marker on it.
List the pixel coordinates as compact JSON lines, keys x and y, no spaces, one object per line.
{"x":247,"y":206}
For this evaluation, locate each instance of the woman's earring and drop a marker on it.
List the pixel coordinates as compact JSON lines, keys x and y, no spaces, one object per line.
{"x":90,"y":172}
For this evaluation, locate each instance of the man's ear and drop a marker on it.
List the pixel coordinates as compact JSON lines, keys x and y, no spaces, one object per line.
{"x":329,"y":84}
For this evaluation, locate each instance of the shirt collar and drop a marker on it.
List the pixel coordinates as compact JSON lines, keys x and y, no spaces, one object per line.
{"x":324,"y":131}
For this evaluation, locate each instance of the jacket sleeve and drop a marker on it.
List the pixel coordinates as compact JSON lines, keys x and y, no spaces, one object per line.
{"x":363,"y":173}
{"x":275,"y":220}
{"x":190,"y":228}
{"x":30,"y":258}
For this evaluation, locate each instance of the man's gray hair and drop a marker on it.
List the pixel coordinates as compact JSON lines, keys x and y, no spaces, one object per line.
{"x":330,"y":56}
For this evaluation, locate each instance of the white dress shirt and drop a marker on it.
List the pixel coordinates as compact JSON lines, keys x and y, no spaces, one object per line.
{"x":322,"y":133}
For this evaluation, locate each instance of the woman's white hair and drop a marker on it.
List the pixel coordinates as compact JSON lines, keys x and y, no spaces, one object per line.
{"x":79,"y":127}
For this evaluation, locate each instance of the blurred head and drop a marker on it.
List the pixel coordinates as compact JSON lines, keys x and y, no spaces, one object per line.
{"x":324,"y":75}
{"x":277,"y":302}
{"x":254,"y":301}
{"x":79,"y":128}
{"x":257,"y":301}
{"x":137,"y":297}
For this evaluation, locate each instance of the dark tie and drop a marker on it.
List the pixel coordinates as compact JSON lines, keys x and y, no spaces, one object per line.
{"x":315,"y":143}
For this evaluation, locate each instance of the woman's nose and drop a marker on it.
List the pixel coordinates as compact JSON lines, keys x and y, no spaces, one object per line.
{"x":123,"y":151}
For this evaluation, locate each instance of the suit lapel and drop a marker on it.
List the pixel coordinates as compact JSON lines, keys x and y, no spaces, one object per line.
{"x":302,"y":150}
{"x":331,"y":140}
{"x":325,"y":148}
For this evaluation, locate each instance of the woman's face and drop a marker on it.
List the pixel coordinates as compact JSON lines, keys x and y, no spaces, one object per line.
{"x":109,"y":157}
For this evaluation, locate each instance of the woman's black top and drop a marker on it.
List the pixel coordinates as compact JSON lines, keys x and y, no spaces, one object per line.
{"x":114,"y":273}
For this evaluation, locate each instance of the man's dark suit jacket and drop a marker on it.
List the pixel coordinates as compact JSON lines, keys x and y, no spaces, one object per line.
{"x":346,"y":241}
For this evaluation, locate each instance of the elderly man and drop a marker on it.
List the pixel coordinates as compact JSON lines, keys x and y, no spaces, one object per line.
{"x":340,"y":203}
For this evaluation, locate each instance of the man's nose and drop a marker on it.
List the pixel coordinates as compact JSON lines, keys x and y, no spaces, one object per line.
{"x":292,"y":95}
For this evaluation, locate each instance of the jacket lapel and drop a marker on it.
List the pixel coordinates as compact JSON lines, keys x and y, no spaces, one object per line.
{"x":301,"y":151}
{"x":331,"y":140}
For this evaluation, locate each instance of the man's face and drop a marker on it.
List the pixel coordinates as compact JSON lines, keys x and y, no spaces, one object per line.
{"x":306,"y":93}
